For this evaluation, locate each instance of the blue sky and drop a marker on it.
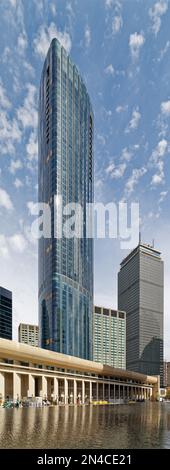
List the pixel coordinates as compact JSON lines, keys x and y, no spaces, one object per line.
{"x":122,"y":49}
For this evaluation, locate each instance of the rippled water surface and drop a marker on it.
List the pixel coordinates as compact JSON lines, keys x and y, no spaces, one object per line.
{"x":140,"y":425}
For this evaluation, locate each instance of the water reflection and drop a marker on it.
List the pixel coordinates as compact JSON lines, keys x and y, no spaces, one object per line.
{"x":125,"y":426}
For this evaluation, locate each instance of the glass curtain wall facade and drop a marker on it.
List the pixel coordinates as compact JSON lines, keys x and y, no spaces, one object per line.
{"x":5,"y":313}
{"x":65,"y":169}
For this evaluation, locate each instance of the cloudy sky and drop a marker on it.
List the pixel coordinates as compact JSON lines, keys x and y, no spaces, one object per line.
{"x":122,"y":49}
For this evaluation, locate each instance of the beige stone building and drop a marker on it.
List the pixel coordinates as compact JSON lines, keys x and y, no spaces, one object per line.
{"x":26,"y":371}
{"x":28,"y":334}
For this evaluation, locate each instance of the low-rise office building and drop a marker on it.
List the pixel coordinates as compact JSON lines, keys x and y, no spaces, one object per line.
{"x":28,"y":334}
{"x":26,"y":371}
{"x":109,"y":337}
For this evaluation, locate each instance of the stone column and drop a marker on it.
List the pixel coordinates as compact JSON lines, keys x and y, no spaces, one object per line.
{"x":43,"y":392}
{"x":66,"y":391}
{"x":97,"y":391}
{"x":123,"y":392}
{"x":83,"y":392}
{"x":90,"y":385}
{"x":16,"y":386}
{"x":109,"y":391}
{"x":56,"y":396}
{"x":2,"y":386}
{"x":103,"y":392}
{"x":31,"y":386}
{"x":119,"y":392}
{"x":75,"y":392}
{"x":114,"y":391}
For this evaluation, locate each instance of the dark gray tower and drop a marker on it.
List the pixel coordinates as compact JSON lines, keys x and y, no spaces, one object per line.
{"x":65,"y":170}
{"x":141,"y":295}
{"x":5,"y":313}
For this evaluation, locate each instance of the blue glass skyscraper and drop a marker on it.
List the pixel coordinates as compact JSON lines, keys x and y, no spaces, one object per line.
{"x":65,"y":169}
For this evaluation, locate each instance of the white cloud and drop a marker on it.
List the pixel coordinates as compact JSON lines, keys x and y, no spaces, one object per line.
{"x":18,"y":183}
{"x":157,"y":178}
{"x":116,"y":172}
{"x":121,"y":109}
{"x":109,"y":70}
{"x":32,"y":147}
{"x":4,"y":253}
{"x":163,"y":195}
{"x":53,"y":9}
{"x":22,"y":43}
{"x":70,"y":10}
{"x":31,"y":205}
{"x":164,"y":51}
{"x":18,"y":243}
{"x":27,"y":113}
{"x":101,"y":139}
{"x":108,"y":3}
{"x":134,"y":122}
{"x":6,"y":54}
{"x":156,"y":12}
{"x":110,"y":168}
{"x":136,"y":41}
{"x":159,"y":151}
{"x":15,"y":165}
{"x":4,"y":101}
{"x":117,"y":24}
{"x":9,"y":133}
{"x":165,"y":108}
{"x":108,"y":112}
{"x":29,"y":68}
{"x":44,"y":37}
{"x":157,"y":162}
{"x":5,"y":200}
{"x":98,"y":183}
{"x":137,"y":173}
{"x":162,"y":147}
{"x":87,"y":36}
{"x":13,"y":3}
{"x":126,"y":154}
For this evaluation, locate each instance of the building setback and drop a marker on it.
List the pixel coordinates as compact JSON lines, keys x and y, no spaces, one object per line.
{"x":5,"y":313}
{"x":28,"y":334}
{"x":141,"y":295}
{"x":109,"y":337}
{"x":65,"y":170}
